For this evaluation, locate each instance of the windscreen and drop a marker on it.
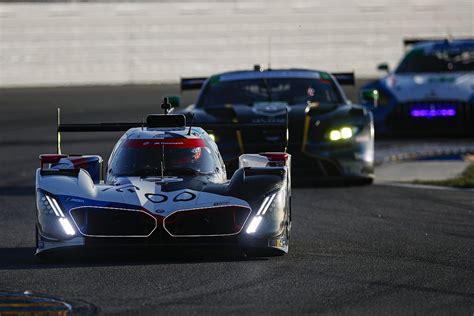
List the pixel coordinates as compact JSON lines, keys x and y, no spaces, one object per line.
{"x":438,"y":60}
{"x":288,"y":90}
{"x":177,"y":157}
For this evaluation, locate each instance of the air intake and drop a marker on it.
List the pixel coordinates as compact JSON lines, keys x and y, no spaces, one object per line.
{"x":214,"y":221}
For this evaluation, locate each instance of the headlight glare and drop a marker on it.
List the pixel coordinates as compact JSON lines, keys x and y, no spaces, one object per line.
{"x":335,"y":135}
{"x":344,"y":132}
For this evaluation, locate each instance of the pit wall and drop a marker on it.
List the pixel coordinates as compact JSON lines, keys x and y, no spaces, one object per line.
{"x":109,"y":43}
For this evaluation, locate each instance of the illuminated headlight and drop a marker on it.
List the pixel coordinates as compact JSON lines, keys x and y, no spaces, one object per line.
{"x":257,"y":219}
{"x":344,"y":132}
{"x":212,"y":136}
{"x":49,"y":207}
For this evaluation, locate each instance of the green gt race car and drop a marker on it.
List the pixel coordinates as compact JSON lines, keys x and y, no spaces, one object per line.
{"x":328,"y":136}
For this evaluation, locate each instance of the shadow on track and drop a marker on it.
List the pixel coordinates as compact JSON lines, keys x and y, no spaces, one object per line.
{"x":23,"y":258}
{"x":17,"y":191}
{"x":329,"y":183}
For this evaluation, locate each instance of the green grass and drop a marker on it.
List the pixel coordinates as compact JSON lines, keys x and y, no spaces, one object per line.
{"x":465,"y":180}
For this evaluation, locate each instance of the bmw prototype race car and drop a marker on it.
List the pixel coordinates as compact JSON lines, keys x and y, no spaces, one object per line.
{"x":430,"y":92}
{"x":329,"y":137}
{"x":165,"y":187}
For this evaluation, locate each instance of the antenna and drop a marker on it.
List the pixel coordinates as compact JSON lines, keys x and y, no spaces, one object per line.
{"x":191,"y":123}
{"x":269,"y":52}
{"x":58,"y":134}
{"x":287,"y":130}
{"x":162,"y":164}
{"x":166,"y":105}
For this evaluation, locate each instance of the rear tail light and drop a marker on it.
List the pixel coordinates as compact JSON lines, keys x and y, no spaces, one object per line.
{"x":50,"y":158}
{"x":275,"y":156}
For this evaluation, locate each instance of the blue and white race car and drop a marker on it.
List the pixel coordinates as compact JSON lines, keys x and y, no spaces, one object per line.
{"x":165,"y":189}
{"x":430,"y":92}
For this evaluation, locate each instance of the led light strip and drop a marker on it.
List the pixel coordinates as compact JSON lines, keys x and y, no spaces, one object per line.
{"x":65,"y":224}
{"x":254,"y":224}
{"x":252,"y":228}
{"x":266,"y":204}
{"x":58,"y":208}
{"x":55,"y":209}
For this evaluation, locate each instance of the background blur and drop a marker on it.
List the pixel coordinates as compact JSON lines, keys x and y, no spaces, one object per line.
{"x":56,"y":43}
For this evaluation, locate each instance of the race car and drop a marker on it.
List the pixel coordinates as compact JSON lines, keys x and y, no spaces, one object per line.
{"x":165,"y":189}
{"x":431,"y":92}
{"x":329,"y":137}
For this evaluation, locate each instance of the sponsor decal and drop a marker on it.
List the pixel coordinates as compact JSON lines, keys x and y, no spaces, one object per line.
{"x":220,"y":203}
{"x":442,"y":79}
{"x":168,"y":143}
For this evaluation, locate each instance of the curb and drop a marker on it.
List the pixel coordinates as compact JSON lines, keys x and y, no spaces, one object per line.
{"x":411,"y":156}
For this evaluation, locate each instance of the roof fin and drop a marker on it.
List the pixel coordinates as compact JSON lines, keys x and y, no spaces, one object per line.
{"x":166,"y":105}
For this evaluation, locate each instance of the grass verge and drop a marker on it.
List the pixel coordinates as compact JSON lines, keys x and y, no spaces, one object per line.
{"x":464,"y":180}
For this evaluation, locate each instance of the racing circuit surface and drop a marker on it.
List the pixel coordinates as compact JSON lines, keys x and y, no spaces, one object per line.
{"x":354,"y":250}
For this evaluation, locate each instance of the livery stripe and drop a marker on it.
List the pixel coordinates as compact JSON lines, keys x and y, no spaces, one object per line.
{"x":307,"y":120}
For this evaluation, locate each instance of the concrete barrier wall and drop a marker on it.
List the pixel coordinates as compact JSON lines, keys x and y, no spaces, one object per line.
{"x":51,"y":44}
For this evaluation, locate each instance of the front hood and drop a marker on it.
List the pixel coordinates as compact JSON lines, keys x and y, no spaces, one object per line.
{"x":435,"y":86}
{"x":267,"y":112}
{"x":136,"y":193}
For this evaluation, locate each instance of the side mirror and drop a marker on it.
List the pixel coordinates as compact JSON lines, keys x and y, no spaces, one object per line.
{"x":370,"y":95}
{"x":383,"y":67}
{"x":174,"y":100}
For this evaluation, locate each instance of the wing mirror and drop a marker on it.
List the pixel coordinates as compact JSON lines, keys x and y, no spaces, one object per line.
{"x":370,"y":96}
{"x":383,"y":67}
{"x":174,"y":100}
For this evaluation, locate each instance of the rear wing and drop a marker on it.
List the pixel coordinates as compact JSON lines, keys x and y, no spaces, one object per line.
{"x":345,"y":78}
{"x":415,"y":40}
{"x":192,"y":83}
{"x":160,"y":121}
{"x":408,"y":42}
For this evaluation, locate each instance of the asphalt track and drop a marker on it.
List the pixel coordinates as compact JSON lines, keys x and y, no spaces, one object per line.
{"x":355,"y":250}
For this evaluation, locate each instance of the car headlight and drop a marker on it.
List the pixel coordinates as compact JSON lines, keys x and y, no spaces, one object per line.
{"x":51,"y":214}
{"x":212,"y":136}
{"x":264,"y":207}
{"x":345,"y":132}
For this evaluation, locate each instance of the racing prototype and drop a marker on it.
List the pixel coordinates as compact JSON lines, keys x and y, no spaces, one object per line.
{"x":430,"y":92}
{"x":329,"y":137}
{"x":165,"y":187}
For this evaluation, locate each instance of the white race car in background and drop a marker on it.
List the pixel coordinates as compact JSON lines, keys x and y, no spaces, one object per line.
{"x":430,"y":92}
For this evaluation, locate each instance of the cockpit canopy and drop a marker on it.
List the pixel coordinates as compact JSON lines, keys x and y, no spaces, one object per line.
{"x":178,"y":156}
